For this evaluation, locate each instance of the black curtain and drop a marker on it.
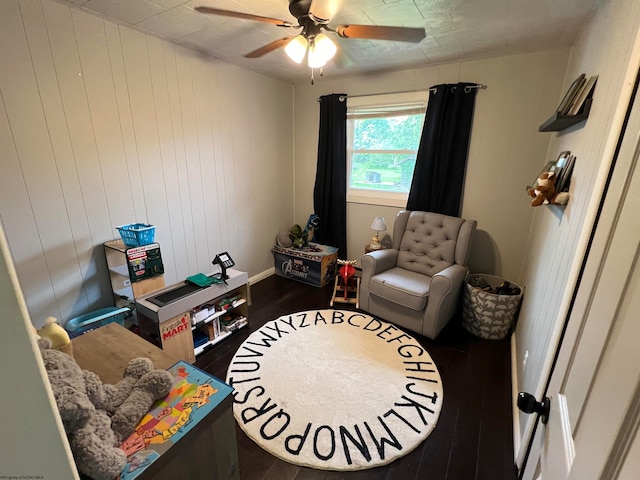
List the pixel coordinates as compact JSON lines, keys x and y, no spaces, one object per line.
{"x":330,"y":190}
{"x":441,"y":162}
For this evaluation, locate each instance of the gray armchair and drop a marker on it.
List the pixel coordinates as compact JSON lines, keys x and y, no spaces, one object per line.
{"x":416,"y":283}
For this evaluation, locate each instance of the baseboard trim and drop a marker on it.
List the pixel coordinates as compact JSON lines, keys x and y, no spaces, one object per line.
{"x":262,"y":275}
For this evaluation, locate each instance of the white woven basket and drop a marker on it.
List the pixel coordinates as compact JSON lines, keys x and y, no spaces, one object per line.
{"x":488,"y":315}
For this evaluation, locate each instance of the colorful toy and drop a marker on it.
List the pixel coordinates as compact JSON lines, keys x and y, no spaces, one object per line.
{"x":347,"y":286}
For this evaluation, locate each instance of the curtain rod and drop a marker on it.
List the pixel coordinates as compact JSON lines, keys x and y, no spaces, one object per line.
{"x":432,"y":89}
{"x":467,"y":89}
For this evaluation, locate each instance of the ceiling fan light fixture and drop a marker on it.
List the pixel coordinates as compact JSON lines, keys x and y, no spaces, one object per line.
{"x":314,"y":59}
{"x":321,"y":50}
{"x":296,"y":49}
{"x":325,"y":47}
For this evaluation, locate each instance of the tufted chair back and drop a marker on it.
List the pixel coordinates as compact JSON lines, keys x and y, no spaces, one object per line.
{"x":429,"y":241}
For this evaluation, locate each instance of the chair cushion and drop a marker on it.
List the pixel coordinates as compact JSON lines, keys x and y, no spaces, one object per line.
{"x":429,"y":242}
{"x":401,"y":286}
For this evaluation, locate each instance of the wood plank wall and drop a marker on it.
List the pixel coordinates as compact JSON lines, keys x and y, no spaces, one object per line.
{"x":559,"y":236}
{"x":101,"y":125}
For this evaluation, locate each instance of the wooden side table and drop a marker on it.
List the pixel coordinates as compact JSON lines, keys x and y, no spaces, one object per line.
{"x":368,"y":249}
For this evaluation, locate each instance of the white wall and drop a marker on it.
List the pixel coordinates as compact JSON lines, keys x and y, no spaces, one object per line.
{"x":558,"y":237}
{"x":506,"y":151}
{"x":101,"y":125}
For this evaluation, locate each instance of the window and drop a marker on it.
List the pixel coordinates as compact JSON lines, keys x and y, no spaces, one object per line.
{"x":383,"y":134}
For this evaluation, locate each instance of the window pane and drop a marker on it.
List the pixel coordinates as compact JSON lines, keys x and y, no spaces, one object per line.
{"x":383,"y":138}
{"x":382,"y":171}
{"x":401,"y":132}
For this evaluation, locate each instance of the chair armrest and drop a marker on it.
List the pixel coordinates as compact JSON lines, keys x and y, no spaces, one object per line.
{"x":443,"y":302}
{"x":446,"y":280}
{"x":376,"y":262}
{"x":373,"y":263}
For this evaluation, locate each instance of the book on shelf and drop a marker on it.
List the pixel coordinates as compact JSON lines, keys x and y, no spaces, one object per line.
{"x":561,"y":161}
{"x":568,"y":98}
{"x":564,"y":177}
{"x":583,"y":93}
{"x":232,"y":322}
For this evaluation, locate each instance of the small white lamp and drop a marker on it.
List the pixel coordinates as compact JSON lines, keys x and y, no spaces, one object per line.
{"x":379,"y":226}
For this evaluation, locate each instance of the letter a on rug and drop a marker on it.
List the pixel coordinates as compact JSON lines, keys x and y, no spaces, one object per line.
{"x":335,"y":390}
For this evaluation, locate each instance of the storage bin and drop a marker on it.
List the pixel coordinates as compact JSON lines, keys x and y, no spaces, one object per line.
{"x":137,"y":234}
{"x":314,"y":264}
{"x":485,"y":314}
{"x":98,"y":318}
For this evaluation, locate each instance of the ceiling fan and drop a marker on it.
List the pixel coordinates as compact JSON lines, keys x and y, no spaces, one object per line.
{"x":313,"y":17}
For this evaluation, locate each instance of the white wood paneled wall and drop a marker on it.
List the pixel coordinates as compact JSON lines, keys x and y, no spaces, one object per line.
{"x":558,"y":236}
{"x":101,"y":126}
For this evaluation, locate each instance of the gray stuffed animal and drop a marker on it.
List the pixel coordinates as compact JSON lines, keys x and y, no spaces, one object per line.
{"x":129,"y":400}
{"x":97,"y":417}
{"x":118,"y":393}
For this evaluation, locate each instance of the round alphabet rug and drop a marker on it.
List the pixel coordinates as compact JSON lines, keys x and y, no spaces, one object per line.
{"x":334,"y":390}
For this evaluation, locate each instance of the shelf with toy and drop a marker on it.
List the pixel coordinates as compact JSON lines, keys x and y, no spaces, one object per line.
{"x":199,"y":320}
{"x":211,"y":323}
{"x":551,"y":187}
{"x":217,"y":331}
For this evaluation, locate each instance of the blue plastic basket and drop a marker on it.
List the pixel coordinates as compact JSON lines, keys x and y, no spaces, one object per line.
{"x":99,"y":318}
{"x":137,"y":234}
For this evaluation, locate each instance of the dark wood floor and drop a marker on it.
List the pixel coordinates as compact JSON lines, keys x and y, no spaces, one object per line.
{"x":473,"y":437}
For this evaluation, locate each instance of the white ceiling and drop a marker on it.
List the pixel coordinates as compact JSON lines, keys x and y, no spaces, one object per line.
{"x":456,"y":29}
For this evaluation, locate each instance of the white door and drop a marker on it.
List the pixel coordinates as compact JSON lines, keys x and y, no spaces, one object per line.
{"x":595,"y":385}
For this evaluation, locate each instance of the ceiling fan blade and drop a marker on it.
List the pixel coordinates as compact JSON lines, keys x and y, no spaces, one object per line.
{"x":377,"y":32}
{"x":246,"y":16}
{"x":324,"y":10}
{"x":269,"y":47}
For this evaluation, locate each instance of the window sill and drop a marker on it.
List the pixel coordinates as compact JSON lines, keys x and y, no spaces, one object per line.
{"x":376,"y":199}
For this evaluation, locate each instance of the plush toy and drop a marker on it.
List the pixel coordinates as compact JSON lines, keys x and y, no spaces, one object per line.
{"x":299,"y":238}
{"x":141,"y":386}
{"x":313,"y":225}
{"x":545,"y":190}
{"x":118,"y":393}
{"x":76,"y":391}
{"x":97,"y":417}
{"x":283,"y":240}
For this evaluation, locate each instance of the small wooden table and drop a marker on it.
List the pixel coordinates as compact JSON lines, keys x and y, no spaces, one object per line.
{"x":107,"y":350}
{"x":207,"y":451}
{"x":368,"y":249}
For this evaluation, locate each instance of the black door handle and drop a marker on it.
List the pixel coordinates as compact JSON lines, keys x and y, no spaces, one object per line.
{"x":528,"y":404}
